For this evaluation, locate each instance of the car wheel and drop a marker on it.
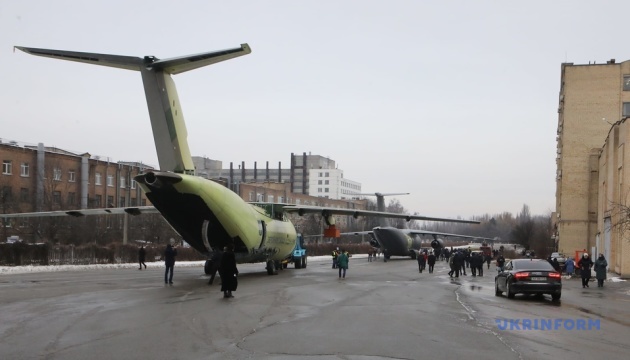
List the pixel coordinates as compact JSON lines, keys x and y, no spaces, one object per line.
{"x":497,"y":292}
{"x":555,"y":297}
{"x":509,"y":292}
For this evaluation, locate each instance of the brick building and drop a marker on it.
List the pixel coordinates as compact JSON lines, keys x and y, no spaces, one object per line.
{"x":592,"y":98}
{"x":40,"y":178}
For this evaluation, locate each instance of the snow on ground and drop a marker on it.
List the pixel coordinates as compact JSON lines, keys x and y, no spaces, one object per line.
{"x":158,"y":264}
{"x":615,"y":279}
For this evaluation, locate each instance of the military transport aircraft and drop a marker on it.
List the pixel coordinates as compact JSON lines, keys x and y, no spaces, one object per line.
{"x":399,"y":242}
{"x":206,"y":214}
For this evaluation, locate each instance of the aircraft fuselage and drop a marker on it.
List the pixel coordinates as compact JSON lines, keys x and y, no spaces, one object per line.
{"x":208,"y":216}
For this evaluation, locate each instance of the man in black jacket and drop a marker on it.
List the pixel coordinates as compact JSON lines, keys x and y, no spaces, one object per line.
{"x":169,"y":262}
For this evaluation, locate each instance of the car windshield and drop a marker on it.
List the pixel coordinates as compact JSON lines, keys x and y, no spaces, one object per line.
{"x":543,"y":265}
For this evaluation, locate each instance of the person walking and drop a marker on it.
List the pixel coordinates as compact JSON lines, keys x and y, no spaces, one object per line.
{"x":169,"y":261}
{"x":600,"y":270}
{"x":569,"y":267}
{"x":215,"y":262}
{"x":228,"y":272}
{"x":431,"y":262}
{"x":421,"y":261}
{"x":141,"y":257}
{"x":335,"y":254}
{"x":585,"y":264}
{"x":342,"y":263}
{"x":500,"y":263}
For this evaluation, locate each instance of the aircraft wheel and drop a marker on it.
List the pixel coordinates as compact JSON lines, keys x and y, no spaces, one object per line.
{"x":298,"y":262}
{"x":271,"y":268}
{"x":414,"y":255}
{"x":304,"y":262}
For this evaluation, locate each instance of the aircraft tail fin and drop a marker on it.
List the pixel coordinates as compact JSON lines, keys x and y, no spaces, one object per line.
{"x":167,"y":121}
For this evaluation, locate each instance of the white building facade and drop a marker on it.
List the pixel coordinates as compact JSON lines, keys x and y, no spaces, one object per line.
{"x":330,"y":183}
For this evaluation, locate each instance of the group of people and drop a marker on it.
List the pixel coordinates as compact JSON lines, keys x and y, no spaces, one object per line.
{"x":585,"y":264}
{"x":223,"y":262}
{"x":425,"y":259}
{"x":459,"y":260}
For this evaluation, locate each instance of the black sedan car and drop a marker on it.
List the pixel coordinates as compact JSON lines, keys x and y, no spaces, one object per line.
{"x":528,"y":276}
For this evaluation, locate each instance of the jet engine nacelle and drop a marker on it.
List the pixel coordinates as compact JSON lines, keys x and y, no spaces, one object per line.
{"x":437,"y":244}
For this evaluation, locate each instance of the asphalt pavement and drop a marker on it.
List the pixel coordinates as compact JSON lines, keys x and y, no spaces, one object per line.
{"x":379,"y":311}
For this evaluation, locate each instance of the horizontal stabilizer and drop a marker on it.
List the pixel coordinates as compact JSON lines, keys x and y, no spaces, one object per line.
{"x":116,"y":61}
{"x":182,"y":64}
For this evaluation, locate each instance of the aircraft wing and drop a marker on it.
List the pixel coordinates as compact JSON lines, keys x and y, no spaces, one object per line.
{"x":137,"y":210}
{"x":435,"y":233}
{"x":324,"y":211}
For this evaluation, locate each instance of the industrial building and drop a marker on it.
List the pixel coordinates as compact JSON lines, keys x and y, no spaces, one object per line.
{"x":590,"y":160}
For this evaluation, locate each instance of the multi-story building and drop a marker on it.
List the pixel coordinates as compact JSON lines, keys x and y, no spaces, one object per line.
{"x":330,"y":183}
{"x":40,"y":178}
{"x":613,"y":208}
{"x":301,"y":176}
{"x":592,"y":97}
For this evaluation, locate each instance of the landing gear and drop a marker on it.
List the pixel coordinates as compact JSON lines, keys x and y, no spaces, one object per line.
{"x":271,"y":268}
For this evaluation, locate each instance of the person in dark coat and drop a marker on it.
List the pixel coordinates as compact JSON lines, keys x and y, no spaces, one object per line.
{"x":600,"y":270}
{"x":169,"y":262}
{"x":555,"y":264}
{"x":421,"y":261}
{"x":431,"y":262}
{"x":215,"y":262}
{"x":228,"y":272}
{"x":488,"y":260}
{"x":500,"y":263}
{"x":585,"y":265}
{"x":141,"y":257}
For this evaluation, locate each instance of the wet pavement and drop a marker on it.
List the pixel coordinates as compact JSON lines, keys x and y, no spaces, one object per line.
{"x":380,"y":311}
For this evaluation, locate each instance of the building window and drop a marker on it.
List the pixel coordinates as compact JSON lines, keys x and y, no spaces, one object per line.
{"x":326,"y":190}
{"x":133,"y":201}
{"x":98,"y":199}
{"x":144,"y":202}
{"x":122,"y":182}
{"x":319,"y":182}
{"x":6,"y":194}
{"x":7,"y":167}
{"x":110,"y":180}
{"x":319,"y":189}
{"x":97,"y":178}
{"x":121,"y":202}
{"x":110,"y":201}
{"x":626,"y":83}
{"x":56,"y":197}
{"x":71,"y":177}
{"x":133,"y":184}
{"x":270,"y":198}
{"x":251,"y":196}
{"x":326,"y":174}
{"x":24,"y":169}
{"x":626,"y":109}
{"x":320,"y":174}
{"x":24,"y":195}
{"x":280,"y":199}
{"x":326,"y":182}
{"x":57,"y":174}
{"x":72,"y":198}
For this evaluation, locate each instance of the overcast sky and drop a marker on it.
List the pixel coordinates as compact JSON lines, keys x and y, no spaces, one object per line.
{"x":453,"y":101}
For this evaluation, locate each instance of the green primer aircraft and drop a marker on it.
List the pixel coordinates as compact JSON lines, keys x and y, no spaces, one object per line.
{"x":206,"y":214}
